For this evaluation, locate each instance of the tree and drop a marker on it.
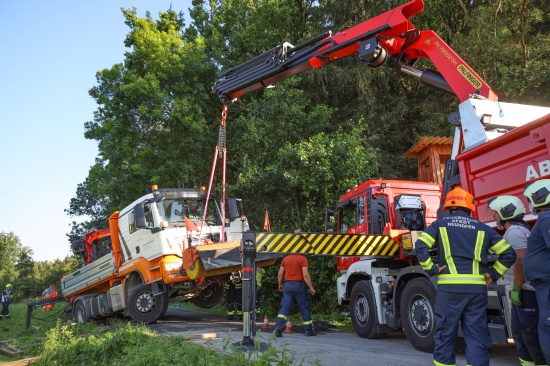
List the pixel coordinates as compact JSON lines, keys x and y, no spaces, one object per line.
{"x":10,"y":247}
{"x":150,"y":124}
{"x":26,"y":284}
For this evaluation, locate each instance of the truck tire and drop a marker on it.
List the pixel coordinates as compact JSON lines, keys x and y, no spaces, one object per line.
{"x":209,"y":297}
{"x":363,"y":311}
{"x":144,"y":307}
{"x":417,"y":313}
{"x":377,"y":215}
{"x":79,"y":312}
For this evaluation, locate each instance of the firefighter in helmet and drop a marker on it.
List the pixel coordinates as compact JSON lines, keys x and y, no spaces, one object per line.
{"x":537,"y":257}
{"x":7,"y":297}
{"x":508,"y":212}
{"x":463,"y":245}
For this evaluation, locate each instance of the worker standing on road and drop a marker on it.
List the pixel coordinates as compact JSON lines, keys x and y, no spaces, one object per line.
{"x":260,"y":272}
{"x":463,"y":245}
{"x":234,"y":292}
{"x":7,"y":296}
{"x":297,"y":288}
{"x":536,"y":261}
{"x":509,"y":212}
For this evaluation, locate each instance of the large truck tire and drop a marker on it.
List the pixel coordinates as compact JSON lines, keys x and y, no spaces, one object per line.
{"x":144,"y":307}
{"x":79,"y":312}
{"x":209,"y":297}
{"x":417,"y":313}
{"x":363,"y":311}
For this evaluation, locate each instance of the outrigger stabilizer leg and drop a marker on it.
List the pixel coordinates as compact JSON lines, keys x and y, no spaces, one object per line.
{"x":248,"y":258}
{"x":33,"y":304}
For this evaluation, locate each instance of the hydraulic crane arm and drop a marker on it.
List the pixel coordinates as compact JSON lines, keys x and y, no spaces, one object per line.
{"x":390,"y":35}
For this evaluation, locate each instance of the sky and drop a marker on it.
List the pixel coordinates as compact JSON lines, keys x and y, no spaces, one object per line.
{"x":50,"y":52}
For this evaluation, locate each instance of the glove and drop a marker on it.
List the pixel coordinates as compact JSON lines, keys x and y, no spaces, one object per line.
{"x":514,"y":296}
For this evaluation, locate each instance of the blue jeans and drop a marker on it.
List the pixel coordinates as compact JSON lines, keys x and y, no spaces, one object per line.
{"x":525,"y":322}
{"x":543,"y":299}
{"x":295,"y":292}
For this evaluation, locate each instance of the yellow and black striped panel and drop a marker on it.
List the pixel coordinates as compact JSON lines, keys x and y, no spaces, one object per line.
{"x":327,"y":244}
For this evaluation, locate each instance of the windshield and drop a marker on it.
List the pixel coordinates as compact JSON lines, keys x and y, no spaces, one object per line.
{"x":174,"y":210}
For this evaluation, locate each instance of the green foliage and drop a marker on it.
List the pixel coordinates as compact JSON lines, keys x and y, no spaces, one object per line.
{"x":31,"y":278}
{"x":127,"y":344}
{"x":150,"y":124}
{"x":30,"y":340}
{"x":10,"y":247}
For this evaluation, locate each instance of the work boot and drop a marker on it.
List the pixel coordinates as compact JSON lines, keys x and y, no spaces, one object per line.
{"x":278,"y":333}
{"x":311,"y":333}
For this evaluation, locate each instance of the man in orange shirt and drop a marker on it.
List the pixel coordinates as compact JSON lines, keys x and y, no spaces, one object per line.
{"x":297,"y":288}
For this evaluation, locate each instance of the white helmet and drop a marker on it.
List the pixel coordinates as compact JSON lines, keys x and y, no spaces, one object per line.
{"x":538,"y":193}
{"x":508,"y":207}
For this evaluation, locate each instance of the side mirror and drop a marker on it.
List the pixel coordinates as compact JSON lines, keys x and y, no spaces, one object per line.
{"x":233,"y":208}
{"x":139,"y":216}
{"x":329,"y":220}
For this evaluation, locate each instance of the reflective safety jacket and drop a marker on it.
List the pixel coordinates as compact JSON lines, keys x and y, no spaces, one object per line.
{"x":6,"y":295}
{"x":259,"y":275}
{"x":463,"y":245}
{"x":234,"y":281}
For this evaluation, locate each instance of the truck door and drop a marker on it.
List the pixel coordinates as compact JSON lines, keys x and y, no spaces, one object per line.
{"x":352,"y":215}
{"x":364,"y":214}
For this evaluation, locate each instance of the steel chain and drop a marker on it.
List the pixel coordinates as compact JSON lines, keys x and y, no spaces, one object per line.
{"x":222,"y":133}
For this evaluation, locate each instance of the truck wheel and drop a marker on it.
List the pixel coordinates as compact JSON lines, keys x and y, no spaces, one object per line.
{"x":79,"y":312}
{"x":144,"y":307}
{"x":417,"y":313}
{"x":363,"y":311}
{"x":209,"y":297}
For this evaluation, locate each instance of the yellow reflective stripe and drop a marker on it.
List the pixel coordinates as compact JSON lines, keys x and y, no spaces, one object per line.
{"x":477,"y":251}
{"x":447,"y":250}
{"x":443,"y":364}
{"x":461,"y":279}
{"x":500,"y":247}
{"x":427,"y":265}
{"x":281,"y":316}
{"x":308,"y":322}
{"x":499,"y":268}
{"x":523,"y":362}
{"x":428,"y":239}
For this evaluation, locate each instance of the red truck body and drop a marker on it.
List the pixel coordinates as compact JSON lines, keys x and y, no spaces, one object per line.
{"x":504,"y":166}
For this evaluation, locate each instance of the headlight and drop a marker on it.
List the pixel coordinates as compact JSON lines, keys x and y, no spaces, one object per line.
{"x":171,"y":266}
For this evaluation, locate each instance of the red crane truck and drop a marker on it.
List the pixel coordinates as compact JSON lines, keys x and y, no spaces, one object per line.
{"x":497,"y":148}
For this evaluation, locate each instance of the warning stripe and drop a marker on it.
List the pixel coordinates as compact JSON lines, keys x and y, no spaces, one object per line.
{"x":327,"y":244}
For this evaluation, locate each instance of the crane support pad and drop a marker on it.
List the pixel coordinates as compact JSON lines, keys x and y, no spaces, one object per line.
{"x":327,"y":244}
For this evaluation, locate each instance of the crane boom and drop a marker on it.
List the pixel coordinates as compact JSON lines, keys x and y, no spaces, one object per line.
{"x":390,"y":36}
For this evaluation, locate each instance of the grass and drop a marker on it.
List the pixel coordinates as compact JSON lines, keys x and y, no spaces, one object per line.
{"x":31,"y":340}
{"x":57,"y":341}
